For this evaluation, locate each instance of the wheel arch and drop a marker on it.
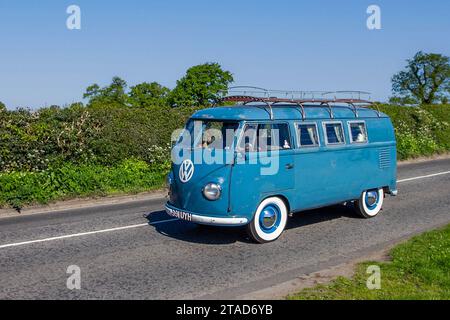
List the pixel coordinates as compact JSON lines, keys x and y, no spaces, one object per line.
{"x":278,"y":195}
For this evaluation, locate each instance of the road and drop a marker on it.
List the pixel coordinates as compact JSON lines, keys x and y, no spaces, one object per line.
{"x":135,"y":251}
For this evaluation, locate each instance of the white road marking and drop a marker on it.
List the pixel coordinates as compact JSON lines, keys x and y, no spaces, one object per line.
{"x":424,"y":177}
{"x":17,"y":244}
{"x":83,"y":234}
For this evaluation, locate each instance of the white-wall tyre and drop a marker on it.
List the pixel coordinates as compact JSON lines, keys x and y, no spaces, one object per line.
{"x":370,"y":203}
{"x":269,"y":221}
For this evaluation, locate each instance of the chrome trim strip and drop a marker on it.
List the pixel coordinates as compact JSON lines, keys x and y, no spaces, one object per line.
{"x":217,"y":221}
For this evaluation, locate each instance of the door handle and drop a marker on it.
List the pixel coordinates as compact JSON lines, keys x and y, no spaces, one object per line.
{"x":290,"y":166}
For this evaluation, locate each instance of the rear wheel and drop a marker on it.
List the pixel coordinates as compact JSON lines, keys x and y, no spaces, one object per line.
{"x":370,"y":203}
{"x":269,"y":221}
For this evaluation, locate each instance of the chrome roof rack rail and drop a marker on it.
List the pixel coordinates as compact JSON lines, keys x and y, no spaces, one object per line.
{"x":296,"y":105}
{"x":246,"y":95}
{"x":266,"y":103}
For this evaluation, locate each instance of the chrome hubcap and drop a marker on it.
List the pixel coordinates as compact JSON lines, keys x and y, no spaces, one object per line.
{"x":269,"y":217}
{"x":372,"y":198}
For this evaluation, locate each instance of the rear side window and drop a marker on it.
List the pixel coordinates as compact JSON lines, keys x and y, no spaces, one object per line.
{"x":307,"y":135}
{"x":358,"y":132}
{"x":334,"y":133}
{"x":265,"y":137}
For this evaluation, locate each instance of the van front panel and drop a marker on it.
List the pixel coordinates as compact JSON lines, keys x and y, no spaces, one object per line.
{"x":188,"y":195}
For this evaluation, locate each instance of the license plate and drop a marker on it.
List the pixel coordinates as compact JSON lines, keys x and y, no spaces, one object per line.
{"x":179,"y":214}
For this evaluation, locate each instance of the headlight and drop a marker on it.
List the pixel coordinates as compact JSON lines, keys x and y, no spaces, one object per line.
{"x":212,"y":191}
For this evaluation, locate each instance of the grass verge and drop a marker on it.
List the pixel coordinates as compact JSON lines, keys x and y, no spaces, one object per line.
{"x":419,"y":270}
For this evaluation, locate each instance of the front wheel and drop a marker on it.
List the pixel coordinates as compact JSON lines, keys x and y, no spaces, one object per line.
{"x":370,"y":203}
{"x":269,"y":221}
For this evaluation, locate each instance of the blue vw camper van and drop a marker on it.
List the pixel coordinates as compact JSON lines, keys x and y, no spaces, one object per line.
{"x":256,"y":163}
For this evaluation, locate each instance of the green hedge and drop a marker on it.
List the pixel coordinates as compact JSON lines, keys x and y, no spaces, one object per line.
{"x":441,"y":114}
{"x":107,"y":135}
{"x":98,"y":134}
{"x":68,"y":181}
{"x":420,"y":131}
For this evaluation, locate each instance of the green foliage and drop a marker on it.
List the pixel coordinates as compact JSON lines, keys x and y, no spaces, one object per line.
{"x":99,"y":134}
{"x":29,"y":141}
{"x":128,"y":132}
{"x":114,"y":93}
{"x":2,"y":106}
{"x":69,"y":180}
{"x":160,"y":157}
{"x":200,"y":86}
{"x":442,"y":115}
{"x":426,"y":78}
{"x":419,"y":270}
{"x":146,"y":95}
{"x":420,"y":131}
{"x":402,"y":101}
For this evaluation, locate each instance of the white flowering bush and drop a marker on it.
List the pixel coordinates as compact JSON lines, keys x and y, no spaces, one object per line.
{"x":419,"y":132}
{"x":159,"y":157}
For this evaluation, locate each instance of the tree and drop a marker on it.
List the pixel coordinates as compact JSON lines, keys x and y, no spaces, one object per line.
{"x":92,"y":92}
{"x":2,"y":106}
{"x":200,"y":86}
{"x":148,"y":94}
{"x":426,"y":78}
{"x":114,"y":93}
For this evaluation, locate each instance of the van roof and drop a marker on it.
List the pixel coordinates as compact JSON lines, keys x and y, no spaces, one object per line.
{"x":286,"y":112}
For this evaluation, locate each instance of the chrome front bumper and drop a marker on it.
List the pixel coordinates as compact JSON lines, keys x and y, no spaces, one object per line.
{"x":201,"y":219}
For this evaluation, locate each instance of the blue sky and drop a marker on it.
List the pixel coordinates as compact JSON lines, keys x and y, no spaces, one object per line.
{"x":297,"y":45}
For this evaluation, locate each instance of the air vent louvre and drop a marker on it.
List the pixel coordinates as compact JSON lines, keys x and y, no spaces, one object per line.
{"x":385,"y":158}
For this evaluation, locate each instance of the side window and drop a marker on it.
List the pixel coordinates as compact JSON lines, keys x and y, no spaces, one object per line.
{"x":265,"y":137}
{"x":307,"y":135}
{"x":334,"y":133}
{"x":358,"y":132}
{"x":248,"y":141}
{"x":279,"y":137}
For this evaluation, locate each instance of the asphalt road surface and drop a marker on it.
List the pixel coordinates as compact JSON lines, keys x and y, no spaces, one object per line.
{"x":135,"y":251}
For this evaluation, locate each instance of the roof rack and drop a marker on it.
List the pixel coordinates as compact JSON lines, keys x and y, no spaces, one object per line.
{"x":245,"y":95}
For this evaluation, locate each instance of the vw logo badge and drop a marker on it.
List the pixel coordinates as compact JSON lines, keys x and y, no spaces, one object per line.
{"x":186,"y":171}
